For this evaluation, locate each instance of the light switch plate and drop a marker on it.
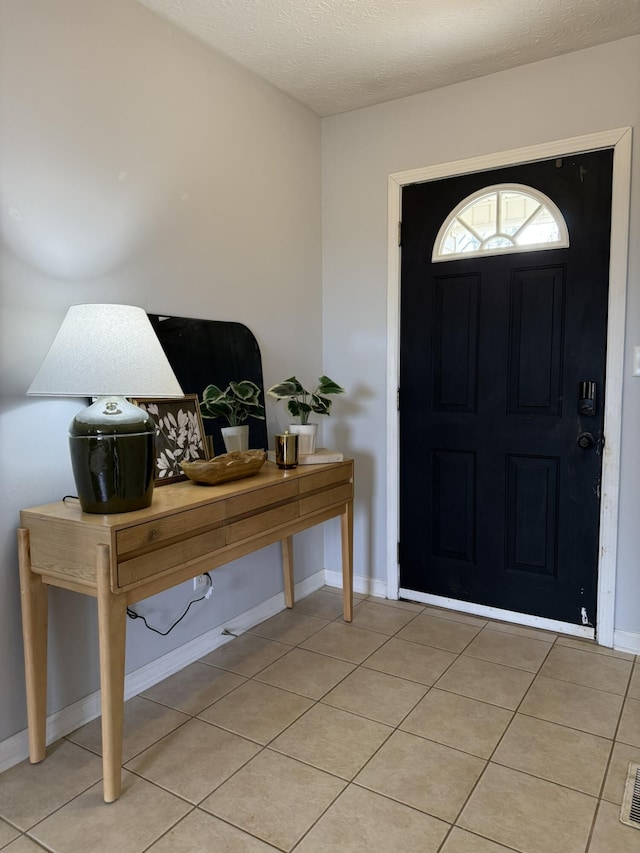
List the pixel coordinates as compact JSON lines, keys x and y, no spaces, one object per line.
{"x":636,"y":361}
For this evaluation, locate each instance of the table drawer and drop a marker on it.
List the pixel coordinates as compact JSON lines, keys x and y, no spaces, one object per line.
{"x":322,"y":479}
{"x":252,"y":501}
{"x":262,"y":522}
{"x":339,"y":495}
{"x":155,"y":562}
{"x":152,"y":534}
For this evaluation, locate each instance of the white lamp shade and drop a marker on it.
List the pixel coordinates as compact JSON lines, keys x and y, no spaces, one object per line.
{"x":105,"y":350}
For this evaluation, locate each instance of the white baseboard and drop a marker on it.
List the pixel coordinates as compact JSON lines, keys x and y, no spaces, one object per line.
{"x":361,"y":583}
{"x":15,"y":749}
{"x":626,"y":641}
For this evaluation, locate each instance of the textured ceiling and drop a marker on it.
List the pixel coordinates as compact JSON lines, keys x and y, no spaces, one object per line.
{"x":338,"y":55}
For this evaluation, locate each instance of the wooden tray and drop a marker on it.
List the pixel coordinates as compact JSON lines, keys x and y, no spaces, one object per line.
{"x":230,"y":466}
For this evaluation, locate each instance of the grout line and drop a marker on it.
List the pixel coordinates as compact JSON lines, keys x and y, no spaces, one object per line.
{"x":392,"y":728}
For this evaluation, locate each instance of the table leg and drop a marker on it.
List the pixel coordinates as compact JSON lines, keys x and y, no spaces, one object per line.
{"x":34,"y":602}
{"x":346,"y":530}
{"x":112,"y":615}
{"x":287,"y":570}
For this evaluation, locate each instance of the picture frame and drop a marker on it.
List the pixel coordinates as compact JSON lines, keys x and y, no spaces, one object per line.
{"x":179,"y":434}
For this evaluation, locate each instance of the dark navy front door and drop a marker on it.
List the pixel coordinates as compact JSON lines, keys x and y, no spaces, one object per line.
{"x":499,"y":499}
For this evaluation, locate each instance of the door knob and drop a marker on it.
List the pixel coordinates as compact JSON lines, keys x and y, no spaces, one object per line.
{"x":586,"y":440}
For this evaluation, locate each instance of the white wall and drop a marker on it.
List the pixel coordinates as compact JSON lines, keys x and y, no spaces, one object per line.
{"x":583,"y":92}
{"x":140,"y":167}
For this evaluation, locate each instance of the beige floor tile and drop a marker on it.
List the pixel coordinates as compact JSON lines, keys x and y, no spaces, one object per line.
{"x":306,"y":673}
{"x":522,"y":631}
{"x":345,"y":642}
{"x":193,"y":688}
{"x":23,"y":845}
{"x":528,"y":814}
{"x":145,"y":722}
{"x":193,"y":760}
{"x":461,"y":841}
{"x":411,"y":606}
{"x":257,"y":711}
{"x":516,"y":651}
{"x":332,"y":740}
{"x":362,"y":821}
{"x":422,"y":774}
{"x":247,"y":654}
{"x":336,"y":590}
{"x":32,"y":791}
{"x":612,"y":836}
{"x":616,"y":779}
{"x":142,"y":814}
{"x":453,"y":636}
{"x":275,"y":798}
{"x":573,"y":705}
{"x":575,"y":759}
{"x":7,"y":833}
{"x":199,"y":832}
{"x":322,"y":604}
{"x":410,"y":660}
{"x":629,"y":730}
{"x":289,"y":626}
{"x":456,"y":616}
{"x":457,"y":721}
{"x":634,"y":686}
{"x":592,"y":646}
{"x":587,"y":669}
{"x":376,"y":695}
{"x":486,"y":681}
{"x":379,"y":617}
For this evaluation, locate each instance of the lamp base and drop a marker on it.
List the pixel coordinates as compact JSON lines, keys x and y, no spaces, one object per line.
{"x":112,"y":456}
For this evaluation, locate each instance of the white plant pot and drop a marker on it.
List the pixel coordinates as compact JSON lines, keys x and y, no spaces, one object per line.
{"x":235,"y":437}
{"x":307,"y":435}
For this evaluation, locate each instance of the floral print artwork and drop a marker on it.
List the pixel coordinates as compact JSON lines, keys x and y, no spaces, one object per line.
{"x":178,"y":435}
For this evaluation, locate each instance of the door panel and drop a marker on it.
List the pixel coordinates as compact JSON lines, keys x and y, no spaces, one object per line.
{"x":498,"y":503}
{"x":532,"y":499}
{"x":455,"y":337}
{"x":454,"y":488}
{"x":535,"y":345}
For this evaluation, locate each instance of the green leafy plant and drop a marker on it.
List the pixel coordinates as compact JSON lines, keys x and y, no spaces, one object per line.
{"x":302,"y":402}
{"x":236,"y":403}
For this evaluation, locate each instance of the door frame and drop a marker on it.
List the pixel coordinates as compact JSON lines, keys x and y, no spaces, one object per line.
{"x":620,"y":140}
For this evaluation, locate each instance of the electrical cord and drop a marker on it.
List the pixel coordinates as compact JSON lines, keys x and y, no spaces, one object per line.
{"x":133,"y":615}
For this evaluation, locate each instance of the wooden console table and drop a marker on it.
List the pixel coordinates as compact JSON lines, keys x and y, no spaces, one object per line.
{"x":122,"y":558}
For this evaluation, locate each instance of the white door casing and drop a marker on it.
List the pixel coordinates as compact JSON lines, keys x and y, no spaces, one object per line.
{"x":620,"y":140}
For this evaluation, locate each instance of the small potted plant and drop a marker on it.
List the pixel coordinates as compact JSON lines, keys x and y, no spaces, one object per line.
{"x":301,"y":403}
{"x":235,"y":404}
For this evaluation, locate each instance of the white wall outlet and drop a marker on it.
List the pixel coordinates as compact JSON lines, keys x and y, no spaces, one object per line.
{"x":201,"y":583}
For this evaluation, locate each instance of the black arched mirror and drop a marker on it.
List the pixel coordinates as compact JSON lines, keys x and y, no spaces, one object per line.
{"x":205,"y":352}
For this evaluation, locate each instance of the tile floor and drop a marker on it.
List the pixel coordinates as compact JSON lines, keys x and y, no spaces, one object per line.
{"x":412,"y":729}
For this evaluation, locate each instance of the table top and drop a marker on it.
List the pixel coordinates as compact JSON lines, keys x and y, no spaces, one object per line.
{"x":173,"y":497}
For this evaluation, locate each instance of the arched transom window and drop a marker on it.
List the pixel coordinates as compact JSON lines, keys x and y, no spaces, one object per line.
{"x":500,"y":219}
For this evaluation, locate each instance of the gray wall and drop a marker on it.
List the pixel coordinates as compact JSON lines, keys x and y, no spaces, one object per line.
{"x":139,"y":167}
{"x":580,"y":93}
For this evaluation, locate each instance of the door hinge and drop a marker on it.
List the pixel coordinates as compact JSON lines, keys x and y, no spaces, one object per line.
{"x":398,"y":399}
{"x":399,"y":233}
{"x":398,"y":554}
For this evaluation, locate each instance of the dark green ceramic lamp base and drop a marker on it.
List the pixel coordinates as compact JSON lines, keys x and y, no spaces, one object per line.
{"x":112,"y":455}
